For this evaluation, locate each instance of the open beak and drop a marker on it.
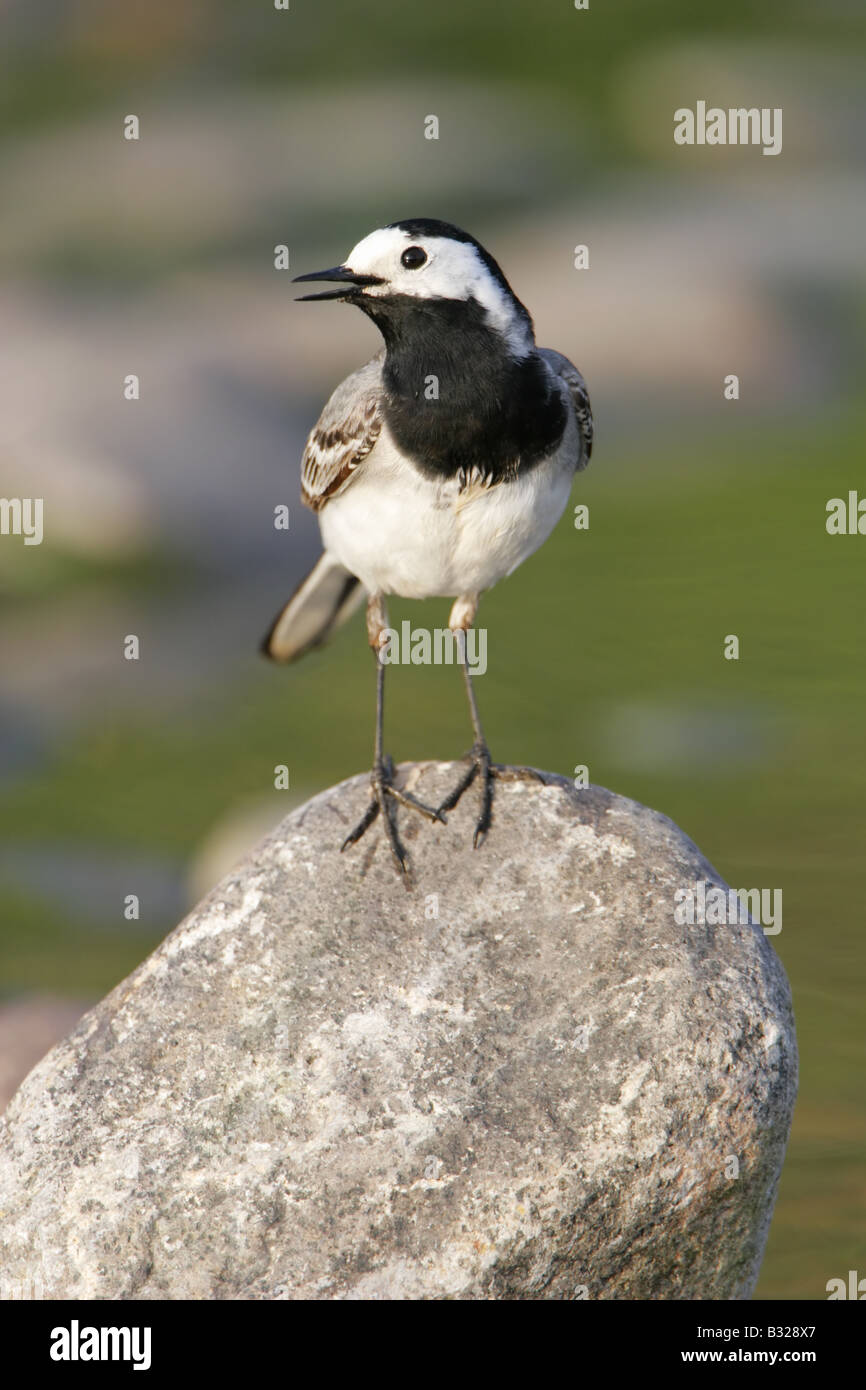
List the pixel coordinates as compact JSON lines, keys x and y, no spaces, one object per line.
{"x":352,"y":283}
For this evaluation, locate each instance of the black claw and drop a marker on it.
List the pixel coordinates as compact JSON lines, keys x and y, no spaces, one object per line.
{"x":364,"y":823}
{"x":384,"y":798}
{"x":480,"y":765}
{"x":465,"y":782}
{"x":407,"y":799}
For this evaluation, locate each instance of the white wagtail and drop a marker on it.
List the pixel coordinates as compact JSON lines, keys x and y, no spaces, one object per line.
{"x":424,"y":493}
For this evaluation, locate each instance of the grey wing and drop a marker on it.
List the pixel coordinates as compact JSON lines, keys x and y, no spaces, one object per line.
{"x":579,"y":399}
{"x":343,"y":436}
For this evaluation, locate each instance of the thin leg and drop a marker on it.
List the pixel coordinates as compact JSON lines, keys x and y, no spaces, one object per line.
{"x":384,"y":793}
{"x":462,"y":617}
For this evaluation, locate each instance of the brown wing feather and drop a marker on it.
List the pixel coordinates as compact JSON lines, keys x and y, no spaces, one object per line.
{"x":342,"y":438}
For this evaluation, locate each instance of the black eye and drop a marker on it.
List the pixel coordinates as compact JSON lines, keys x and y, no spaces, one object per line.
{"x":413,"y":257}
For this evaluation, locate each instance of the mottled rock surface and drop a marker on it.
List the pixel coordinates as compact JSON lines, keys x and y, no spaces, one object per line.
{"x":520,"y":1078}
{"x":29,"y":1026}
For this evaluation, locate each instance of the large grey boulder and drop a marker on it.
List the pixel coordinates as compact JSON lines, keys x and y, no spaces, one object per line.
{"x":519,"y":1078}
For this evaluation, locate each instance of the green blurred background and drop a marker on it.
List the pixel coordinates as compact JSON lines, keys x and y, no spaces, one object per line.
{"x":707,"y":516}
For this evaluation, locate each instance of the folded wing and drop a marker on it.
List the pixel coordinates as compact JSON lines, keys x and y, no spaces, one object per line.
{"x":579,"y":399}
{"x":344,"y":435}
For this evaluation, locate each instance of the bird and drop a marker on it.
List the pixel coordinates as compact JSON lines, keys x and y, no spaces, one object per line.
{"x":424,"y":493}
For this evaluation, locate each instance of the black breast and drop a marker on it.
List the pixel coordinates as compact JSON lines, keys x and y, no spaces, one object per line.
{"x":455,"y":399}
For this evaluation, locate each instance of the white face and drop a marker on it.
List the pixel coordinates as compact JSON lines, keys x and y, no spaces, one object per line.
{"x":452,"y":270}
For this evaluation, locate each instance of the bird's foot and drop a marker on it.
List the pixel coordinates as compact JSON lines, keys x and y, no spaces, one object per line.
{"x":384,"y":795}
{"x":481,"y":766}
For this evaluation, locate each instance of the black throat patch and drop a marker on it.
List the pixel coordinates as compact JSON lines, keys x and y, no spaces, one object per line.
{"x":455,"y":400}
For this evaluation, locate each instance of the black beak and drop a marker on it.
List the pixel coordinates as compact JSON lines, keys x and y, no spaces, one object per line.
{"x":345,"y":276}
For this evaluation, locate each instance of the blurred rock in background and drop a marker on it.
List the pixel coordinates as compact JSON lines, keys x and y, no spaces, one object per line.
{"x":29,"y":1027}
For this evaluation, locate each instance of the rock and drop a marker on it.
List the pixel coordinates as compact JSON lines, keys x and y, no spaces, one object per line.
{"x":29,"y":1026}
{"x":232,"y":837}
{"x":520,"y":1078}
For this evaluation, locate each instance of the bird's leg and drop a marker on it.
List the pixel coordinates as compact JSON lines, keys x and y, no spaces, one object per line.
{"x":384,"y":793}
{"x":480,"y":765}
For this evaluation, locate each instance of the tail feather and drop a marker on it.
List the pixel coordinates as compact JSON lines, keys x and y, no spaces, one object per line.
{"x":323,"y":600}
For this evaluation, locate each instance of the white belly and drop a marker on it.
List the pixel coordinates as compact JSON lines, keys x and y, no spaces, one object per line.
{"x":403,"y":534}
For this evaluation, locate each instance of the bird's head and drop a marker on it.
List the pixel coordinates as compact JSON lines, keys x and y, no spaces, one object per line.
{"x":423,"y":264}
